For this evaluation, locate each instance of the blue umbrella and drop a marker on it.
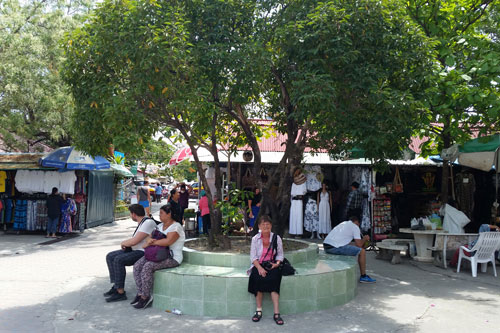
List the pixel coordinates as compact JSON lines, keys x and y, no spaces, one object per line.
{"x":72,"y":159}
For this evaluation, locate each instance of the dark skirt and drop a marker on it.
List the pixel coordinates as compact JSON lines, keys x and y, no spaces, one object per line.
{"x":267,"y":284}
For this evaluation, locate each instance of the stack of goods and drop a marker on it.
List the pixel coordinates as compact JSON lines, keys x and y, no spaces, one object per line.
{"x":382,"y":222}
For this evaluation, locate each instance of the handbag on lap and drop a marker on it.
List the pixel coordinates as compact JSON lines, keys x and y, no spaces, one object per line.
{"x":157,"y":253}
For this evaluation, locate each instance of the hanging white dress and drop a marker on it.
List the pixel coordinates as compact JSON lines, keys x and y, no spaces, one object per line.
{"x":296,"y":214}
{"x":311,"y":218}
{"x":325,"y":222}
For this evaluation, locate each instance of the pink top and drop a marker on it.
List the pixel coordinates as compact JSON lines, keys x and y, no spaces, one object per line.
{"x":264,"y":257}
{"x":203,"y":205}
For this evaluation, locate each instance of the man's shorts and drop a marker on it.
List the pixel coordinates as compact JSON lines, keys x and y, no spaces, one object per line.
{"x":144,"y":203}
{"x":346,"y":250}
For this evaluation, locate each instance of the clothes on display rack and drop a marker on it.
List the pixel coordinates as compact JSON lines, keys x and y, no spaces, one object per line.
{"x":314,"y":177}
{"x":3,"y":178}
{"x":296,"y":214}
{"x":20,"y":215}
{"x":33,"y":181}
{"x":311,"y":216}
{"x":7,"y":211}
{"x":325,"y":222}
{"x":36,"y":215}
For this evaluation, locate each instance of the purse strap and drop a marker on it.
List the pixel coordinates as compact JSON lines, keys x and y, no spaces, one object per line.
{"x":274,"y":244}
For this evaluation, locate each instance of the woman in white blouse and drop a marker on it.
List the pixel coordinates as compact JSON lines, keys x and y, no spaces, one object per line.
{"x":144,"y":269}
{"x":265,"y":274}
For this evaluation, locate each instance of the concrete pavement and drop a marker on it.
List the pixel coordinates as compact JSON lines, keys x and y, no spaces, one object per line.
{"x":58,"y":288}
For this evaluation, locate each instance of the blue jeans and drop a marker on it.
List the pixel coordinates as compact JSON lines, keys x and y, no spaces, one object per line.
{"x":346,"y":250}
{"x":52,"y":225}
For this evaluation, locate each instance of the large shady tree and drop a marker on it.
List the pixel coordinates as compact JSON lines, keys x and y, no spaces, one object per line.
{"x":207,"y":68}
{"x":35,"y":103}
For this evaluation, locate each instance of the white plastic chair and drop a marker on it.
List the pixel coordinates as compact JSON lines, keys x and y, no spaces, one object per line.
{"x":485,"y":248}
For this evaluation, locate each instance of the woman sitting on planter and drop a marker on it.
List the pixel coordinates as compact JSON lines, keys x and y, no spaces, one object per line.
{"x":144,"y":269}
{"x":265,"y":274}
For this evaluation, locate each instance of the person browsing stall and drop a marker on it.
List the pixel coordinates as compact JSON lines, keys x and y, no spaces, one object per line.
{"x":131,"y":251}
{"x":144,"y":197}
{"x":54,"y":204}
{"x":174,"y":203}
{"x":144,"y":269}
{"x":265,"y":275}
{"x":338,"y":242}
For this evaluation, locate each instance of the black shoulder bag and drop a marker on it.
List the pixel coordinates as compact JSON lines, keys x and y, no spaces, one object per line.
{"x":285,"y":266}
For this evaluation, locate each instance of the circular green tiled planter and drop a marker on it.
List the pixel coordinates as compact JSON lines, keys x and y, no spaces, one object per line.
{"x":215,"y":284}
{"x":221,"y":259}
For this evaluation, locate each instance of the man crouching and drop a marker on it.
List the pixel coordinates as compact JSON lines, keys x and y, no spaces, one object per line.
{"x":337,"y":242}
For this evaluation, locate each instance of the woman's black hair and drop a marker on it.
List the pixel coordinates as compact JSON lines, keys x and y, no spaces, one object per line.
{"x":172,"y":192}
{"x":264,"y":218}
{"x":54,"y":190}
{"x":166,"y":208}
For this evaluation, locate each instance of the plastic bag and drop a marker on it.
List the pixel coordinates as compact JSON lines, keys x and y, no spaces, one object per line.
{"x":454,"y":220}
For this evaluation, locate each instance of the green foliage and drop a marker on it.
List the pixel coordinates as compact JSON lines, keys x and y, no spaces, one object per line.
{"x":465,"y":95}
{"x":354,"y":71}
{"x":126,"y":66}
{"x":35,"y":103}
{"x":182,"y":171}
{"x":232,"y":209}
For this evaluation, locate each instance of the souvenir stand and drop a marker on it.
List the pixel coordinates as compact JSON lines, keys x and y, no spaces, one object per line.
{"x":24,"y":189}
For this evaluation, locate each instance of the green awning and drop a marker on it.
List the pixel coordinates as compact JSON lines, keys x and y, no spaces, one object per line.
{"x":485,"y":143}
{"x":121,"y":170}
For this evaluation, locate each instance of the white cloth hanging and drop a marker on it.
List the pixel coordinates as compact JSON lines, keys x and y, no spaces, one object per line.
{"x":296,"y":214}
{"x":67,"y":182}
{"x":314,"y":177}
{"x":311,"y":218}
{"x":325,"y":222}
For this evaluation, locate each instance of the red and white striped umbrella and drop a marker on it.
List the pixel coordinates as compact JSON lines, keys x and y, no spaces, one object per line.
{"x":180,"y":156}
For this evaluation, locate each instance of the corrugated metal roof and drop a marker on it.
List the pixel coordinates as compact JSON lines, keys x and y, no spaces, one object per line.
{"x":276,"y":142}
{"x":15,"y":161}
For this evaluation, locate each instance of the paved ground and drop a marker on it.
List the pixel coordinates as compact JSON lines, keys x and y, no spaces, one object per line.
{"x":58,"y":288}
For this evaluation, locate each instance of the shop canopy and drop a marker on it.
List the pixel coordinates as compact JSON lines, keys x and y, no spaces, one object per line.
{"x":180,"y":155}
{"x":72,"y":159}
{"x":481,"y":153}
{"x":121,"y":170}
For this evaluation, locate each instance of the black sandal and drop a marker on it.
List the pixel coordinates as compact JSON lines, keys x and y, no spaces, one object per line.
{"x":256,"y":317}
{"x":277,"y":319}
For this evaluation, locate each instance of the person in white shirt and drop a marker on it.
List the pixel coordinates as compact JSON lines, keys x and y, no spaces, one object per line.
{"x":131,"y":251}
{"x":144,"y":270}
{"x":338,"y":242}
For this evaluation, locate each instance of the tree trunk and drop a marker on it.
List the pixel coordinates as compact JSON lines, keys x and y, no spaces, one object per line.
{"x":445,"y":173}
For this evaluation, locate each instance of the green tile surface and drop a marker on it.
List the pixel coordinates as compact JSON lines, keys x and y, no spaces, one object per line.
{"x":192,"y":287}
{"x":193,"y":308}
{"x":214,"y":289}
{"x":221,"y":291}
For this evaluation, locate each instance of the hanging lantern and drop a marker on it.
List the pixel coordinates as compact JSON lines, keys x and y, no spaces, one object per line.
{"x":247,"y":156}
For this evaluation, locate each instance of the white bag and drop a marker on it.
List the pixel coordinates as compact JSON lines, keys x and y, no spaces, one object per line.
{"x":454,"y":220}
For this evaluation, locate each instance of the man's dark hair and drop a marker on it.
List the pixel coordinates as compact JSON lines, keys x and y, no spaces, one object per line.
{"x":354,"y":218}
{"x":54,"y":190}
{"x":355,"y":184}
{"x":146,"y":182}
{"x":173,"y":191}
{"x":137,"y":210}
{"x":183,"y":186}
